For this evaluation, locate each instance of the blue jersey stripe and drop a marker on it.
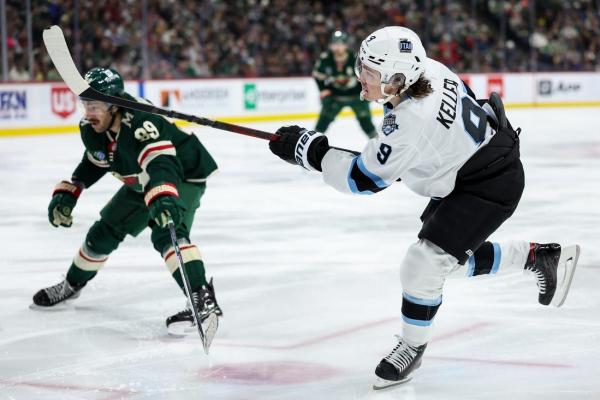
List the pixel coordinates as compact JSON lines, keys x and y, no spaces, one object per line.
{"x":361,"y":180}
{"x":471,"y":267}
{"x":497,"y":257}
{"x":376,"y":179}
{"x":417,"y":322}
{"x":422,"y":302}
{"x":352,"y":183}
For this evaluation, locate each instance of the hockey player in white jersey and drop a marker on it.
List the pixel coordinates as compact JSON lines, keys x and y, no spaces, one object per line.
{"x":445,"y":145}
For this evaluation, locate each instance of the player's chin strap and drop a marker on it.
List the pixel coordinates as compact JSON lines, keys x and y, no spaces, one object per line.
{"x":114,"y":115}
{"x":112,"y":121}
{"x":390,"y":96}
{"x":385,"y":99}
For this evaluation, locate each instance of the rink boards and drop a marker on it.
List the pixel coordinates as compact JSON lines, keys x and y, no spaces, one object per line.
{"x":45,"y":108}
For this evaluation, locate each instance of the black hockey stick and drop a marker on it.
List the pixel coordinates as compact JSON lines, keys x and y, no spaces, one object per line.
{"x":59,"y":53}
{"x":212,"y":321}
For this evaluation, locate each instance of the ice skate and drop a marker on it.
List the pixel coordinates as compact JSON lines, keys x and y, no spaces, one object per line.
{"x":183,"y":323}
{"x":398,"y":366}
{"x":55,"y":297}
{"x":554,"y":268}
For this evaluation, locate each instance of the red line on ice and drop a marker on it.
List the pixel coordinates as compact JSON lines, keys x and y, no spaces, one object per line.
{"x":314,"y":340}
{"x":349,"y":331}
{"x":458,"y":332}
{"x":54,"y":386}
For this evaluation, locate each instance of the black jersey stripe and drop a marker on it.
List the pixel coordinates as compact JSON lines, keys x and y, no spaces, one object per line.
{"x":362,"y":180}
{"x":417,"y":311}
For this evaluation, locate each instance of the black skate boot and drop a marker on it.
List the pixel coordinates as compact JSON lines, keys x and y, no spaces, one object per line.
{"x":183,"y":322}
{"x":553,"y":267}
{"x":54,"y":295}
{"x":399,"y":365}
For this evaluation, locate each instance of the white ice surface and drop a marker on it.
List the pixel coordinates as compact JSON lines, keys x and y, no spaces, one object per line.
{"x":308,"y":281}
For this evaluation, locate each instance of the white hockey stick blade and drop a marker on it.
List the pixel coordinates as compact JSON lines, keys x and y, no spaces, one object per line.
{"x":209,"y":326}
{"x":564,"y":273}
{"x":59,"y":53}
{"x":384,"y":384}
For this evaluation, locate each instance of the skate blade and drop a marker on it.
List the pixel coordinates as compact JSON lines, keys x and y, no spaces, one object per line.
{"x":57,"y":307}
{"x":564,"y":274}
{"x":62,"y":306}
{"x":209,"y":326}
{"x":181,"y":329}
{"x":384,"y":384}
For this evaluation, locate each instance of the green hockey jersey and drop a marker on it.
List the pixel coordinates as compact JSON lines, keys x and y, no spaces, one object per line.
{"x":341,"y":81}
{"x":148,"y":150}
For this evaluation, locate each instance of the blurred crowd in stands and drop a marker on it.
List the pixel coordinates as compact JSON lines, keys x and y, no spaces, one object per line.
{"x":163,"y":39}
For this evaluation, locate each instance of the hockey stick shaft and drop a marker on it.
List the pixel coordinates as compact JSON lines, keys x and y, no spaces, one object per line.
{"x":186,"y":283}
{"x":58,"y":50}
{"x":93,"y":94}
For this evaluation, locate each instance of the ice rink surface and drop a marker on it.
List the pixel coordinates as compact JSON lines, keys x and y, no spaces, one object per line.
{"x":308,"y":281}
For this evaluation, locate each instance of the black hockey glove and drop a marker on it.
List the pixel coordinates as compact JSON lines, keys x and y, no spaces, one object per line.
{"x":299,"y":146}
{"x":63,"y":201}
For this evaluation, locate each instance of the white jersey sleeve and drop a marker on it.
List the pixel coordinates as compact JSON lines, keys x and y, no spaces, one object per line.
{"x":423,"y":142}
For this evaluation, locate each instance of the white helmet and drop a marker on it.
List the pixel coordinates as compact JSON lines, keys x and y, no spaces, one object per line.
{"x":391,"y":51}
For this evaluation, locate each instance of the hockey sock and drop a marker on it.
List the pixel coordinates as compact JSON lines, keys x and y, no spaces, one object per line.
{"x":486,"y":260}
{"x":417,"y":318}
{"x":493,"y":257}
{"x":195,"y":273}
{"x":193,"y":265}
{"x":77,"y":277}
{"x":85,"y":266}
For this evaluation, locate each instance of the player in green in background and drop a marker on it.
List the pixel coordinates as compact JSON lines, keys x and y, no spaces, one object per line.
{"x":338,"y":86}
{"x":164,"y":172}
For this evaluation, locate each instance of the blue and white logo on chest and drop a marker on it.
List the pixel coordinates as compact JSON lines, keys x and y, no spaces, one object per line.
{"x":99,"y":155}
{"x":389,"y":124}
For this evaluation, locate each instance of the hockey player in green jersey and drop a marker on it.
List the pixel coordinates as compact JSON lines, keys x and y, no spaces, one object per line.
{"x":164,"y":172}
{"x":338,"y":86}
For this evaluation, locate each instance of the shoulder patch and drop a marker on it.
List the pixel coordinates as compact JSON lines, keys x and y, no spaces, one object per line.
{"x":389,"y":124}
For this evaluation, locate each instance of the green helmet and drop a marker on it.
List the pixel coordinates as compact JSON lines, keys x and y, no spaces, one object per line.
{"x":105,"y":80}
{"x":339,"y":37}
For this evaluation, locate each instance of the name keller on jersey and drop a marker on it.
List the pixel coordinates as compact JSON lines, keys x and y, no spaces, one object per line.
{"x":447,"y":112}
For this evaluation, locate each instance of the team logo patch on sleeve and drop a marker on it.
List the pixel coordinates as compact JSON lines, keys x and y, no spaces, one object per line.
{"x":389,"y":124}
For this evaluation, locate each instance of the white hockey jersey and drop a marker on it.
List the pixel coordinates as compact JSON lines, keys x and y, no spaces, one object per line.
{"x":422,"y":142}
